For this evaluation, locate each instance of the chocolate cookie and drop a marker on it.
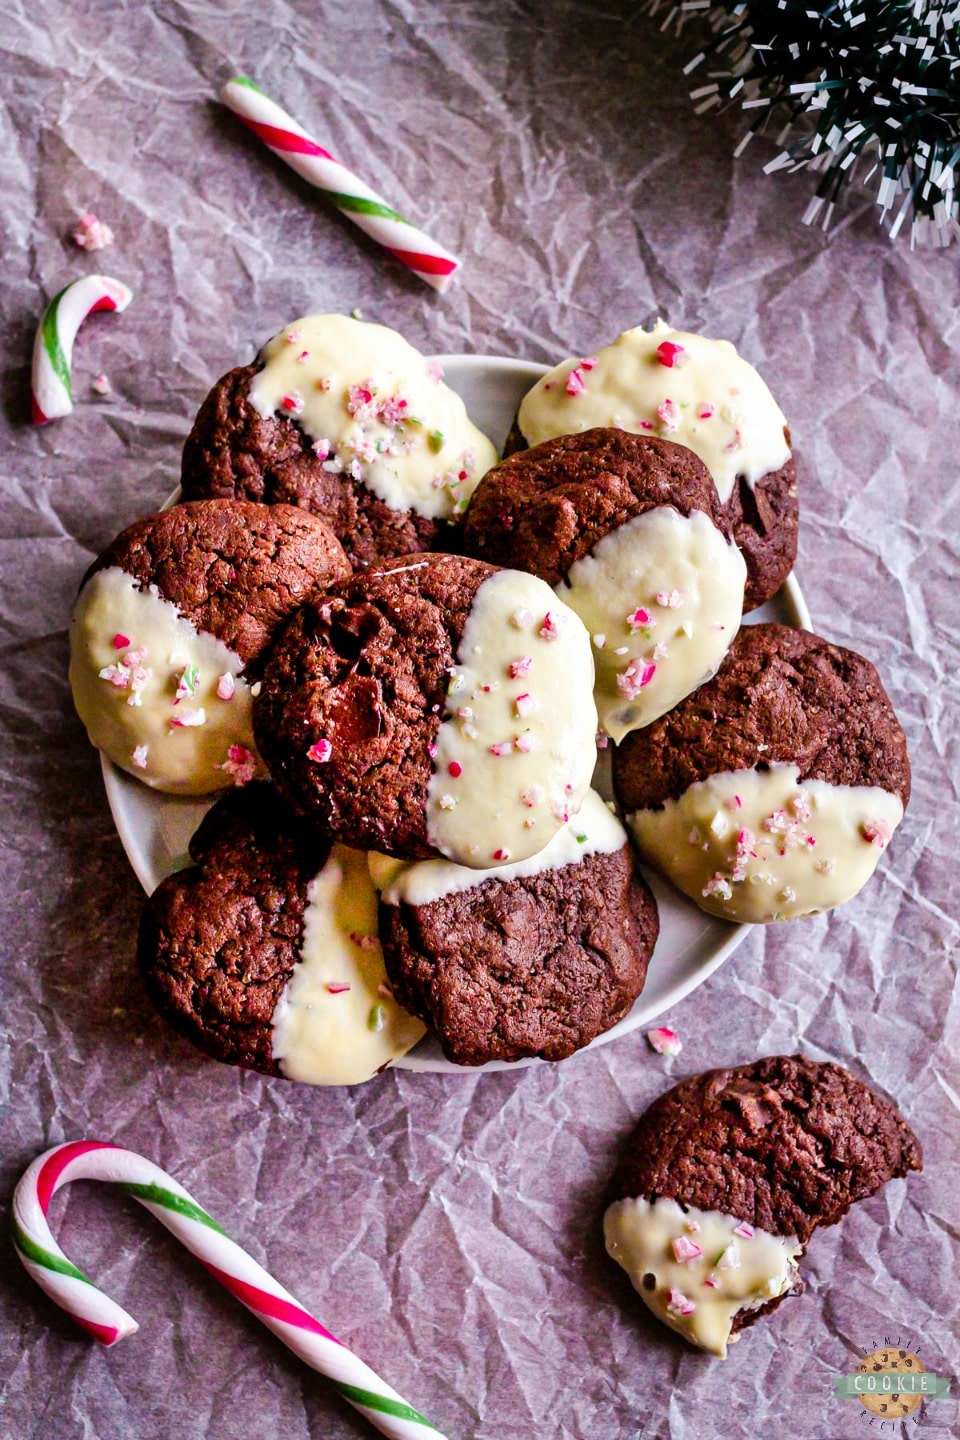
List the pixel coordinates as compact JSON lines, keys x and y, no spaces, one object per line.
{"x":266,"y":954}
{"x":432,"y":705}
{"x":702,"y":394}
{"x":536,"y":958}
{"x":350,"y":422}
{"x":170,"y":626}
{"x":771,"y":791}
{"x":727,"y":1176}
{"x":630,"y":531}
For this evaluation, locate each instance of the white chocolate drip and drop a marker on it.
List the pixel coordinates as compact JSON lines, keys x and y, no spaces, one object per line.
{"x":760,"y":845}
{"x":376,"y":410}
{"x":148,"y":686}
{"x":738,"y":1267}
{"x":712,"y":401}
{"x":662,"y":597}
{"x":516,"y":749}
{"x":336,"y":1022}
{"x":593,"y":831}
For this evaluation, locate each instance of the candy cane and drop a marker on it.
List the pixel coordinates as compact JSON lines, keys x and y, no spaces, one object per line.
{"x":53,"y":345}
{"x":281,"y":133}
{"x":237,"y":1271}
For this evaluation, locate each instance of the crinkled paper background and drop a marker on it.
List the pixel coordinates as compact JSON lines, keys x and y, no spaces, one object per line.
{"x":448,"y":1227}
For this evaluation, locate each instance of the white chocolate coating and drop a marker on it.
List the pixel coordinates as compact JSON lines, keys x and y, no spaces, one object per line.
{"x":336,"y":1022}
{"x":594,"y":831}
{"x":377,"y":410}
{"x":739,"y":1267}
{"x":127,"y":694}
{"x":713,"y":402}
{"x":757,"y":845}
{"x":662,"y":597}
{"x":514,"y":753}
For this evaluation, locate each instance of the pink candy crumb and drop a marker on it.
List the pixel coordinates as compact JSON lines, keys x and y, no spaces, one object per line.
{"x":226,"y":686}
{"x":744,"y":1230}
{"x":672,"y":355}
{"x":519,"y":667}
{"x":92,"y":234}
{"x":685,"y":1250}
{"x":121,"y":642}
{"x":320,"y":752}
{"x":337,"y":987}
{"x":664,"y":1040}
{"x":678,"y":1303}
{"x":455,"y":769}
{"x":876,"y":832}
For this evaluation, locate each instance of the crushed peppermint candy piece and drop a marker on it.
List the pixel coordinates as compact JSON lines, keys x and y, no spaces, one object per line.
{"x":669,"y":415}
{"x":363,"y":942}
{"x":376,"y":1019}
{"x":455,"y":769}
{"x":188,"y":719}
{"x":240,"y":765}
{"x":533,"y":795}
{"x":550,"y":629}
{"x":640,"y":617}
{"x":447,"y":802}
{"x":92,"y":234}
{"x":519,"y":667}
{"x":188,"y":683}
{"x":705,"y":411}
{"x":139,"y":756}
{"x":226,"y":686}
{"x":590,"y":362}
{"x":100,"y":385}
{"x":320,"y":752}
{"x":637,"y":674}
{"x":121,"y":642}
{"x":502,"y":747}
{"x":521,"y":619}
{"x":691,"y":1226}
{"x":718,"y":886}
{"x":524,"y":704}
{"x":523,"y":742}
{"x":575,"y":383}
{"x":337,"y":987}
{"x":824,"y":867}
{"x":678,"y":1303}
{"x":435,"y":371}
{"x":736,"y":443}
{"x":502,"y":855}
{"x":664,"y":1040}
{"x":745,"y":1230}
{"x":672,"y":355}
{"x":685,"y":1250}
{"x":599,"y":639}
{"x":670,"y":599}
{"x":876,"y":832}
{"x":730,"y":1259}
{"x":601,"y":739}
{"x":293,"y":403}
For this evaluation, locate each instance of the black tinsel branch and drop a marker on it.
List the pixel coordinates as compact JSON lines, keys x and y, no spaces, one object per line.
{"x":866,"y":88}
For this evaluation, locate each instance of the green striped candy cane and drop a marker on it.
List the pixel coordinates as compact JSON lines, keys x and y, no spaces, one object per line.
{"x":52,"y":392}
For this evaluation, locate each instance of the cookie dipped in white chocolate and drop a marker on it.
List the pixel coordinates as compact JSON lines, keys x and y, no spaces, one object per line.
{"x":337,"y":1022}
{"x":163,"y":700}
{"x":376,"y":410}
{"x":662,"y":598}
{"x":696,"y":1270}
{"x":687,"y":388}
{"x":760,"y":845}
{"x":593,"y":831}
{"x":516,"y":748}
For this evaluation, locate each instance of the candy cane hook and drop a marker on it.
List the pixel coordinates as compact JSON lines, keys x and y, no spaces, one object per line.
{"x":237,"y":1271}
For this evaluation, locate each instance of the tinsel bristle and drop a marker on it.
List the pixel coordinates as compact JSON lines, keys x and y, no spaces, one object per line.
{"x":866,"y":89}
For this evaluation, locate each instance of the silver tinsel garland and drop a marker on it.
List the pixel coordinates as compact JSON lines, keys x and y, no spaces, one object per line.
{"x":863,"y":89}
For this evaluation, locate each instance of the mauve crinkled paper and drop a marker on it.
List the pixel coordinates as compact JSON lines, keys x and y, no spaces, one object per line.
{"x":448,"y":1227}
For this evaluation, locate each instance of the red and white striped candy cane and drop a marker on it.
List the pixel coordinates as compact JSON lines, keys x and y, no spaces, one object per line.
{"x":53,"y":344}
{"x":278,"y":130}
{"x":237,"y":1271}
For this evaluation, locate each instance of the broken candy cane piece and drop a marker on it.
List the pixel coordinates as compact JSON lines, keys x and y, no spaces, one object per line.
{"x":52,"y":394}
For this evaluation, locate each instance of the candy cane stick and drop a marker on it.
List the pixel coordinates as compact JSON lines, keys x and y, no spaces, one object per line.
{"x":53,"y":345}
{"x":336,"y":183}
{"x":237,"y":1271}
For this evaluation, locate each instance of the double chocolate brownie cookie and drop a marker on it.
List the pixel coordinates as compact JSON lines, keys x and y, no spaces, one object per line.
{"x":433,"y":705}
{"x":170,"y":626}
{"x":727,"y":1176}
{"x":772,"y":791}
{"x":349,"y":421}
{"x":700,"y":393}
{"x":630,"y":531}
{"x":536,"y":958}
{"x":266,"y":954}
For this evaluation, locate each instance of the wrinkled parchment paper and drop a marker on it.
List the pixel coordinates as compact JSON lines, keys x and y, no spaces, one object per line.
{"x":449,"y":1227}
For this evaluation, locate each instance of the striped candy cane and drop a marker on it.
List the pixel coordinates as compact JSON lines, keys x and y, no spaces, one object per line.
{"x":53,"y":345}
{"x":237,"y":1271}
{"x":340,"y":186}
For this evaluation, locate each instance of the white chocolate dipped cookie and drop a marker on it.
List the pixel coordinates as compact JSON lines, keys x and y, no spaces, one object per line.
{"x":267,"y":954}
{"x":167,"y":625}
{"x":348,"y":420}
{"x":772,"y":792}
{"x":630,"y":532}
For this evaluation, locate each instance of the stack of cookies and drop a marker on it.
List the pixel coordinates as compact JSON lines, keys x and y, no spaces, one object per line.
{"x":398,"y":658}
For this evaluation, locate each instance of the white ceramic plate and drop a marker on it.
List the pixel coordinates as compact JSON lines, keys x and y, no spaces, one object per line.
{"x":155,"y":829}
